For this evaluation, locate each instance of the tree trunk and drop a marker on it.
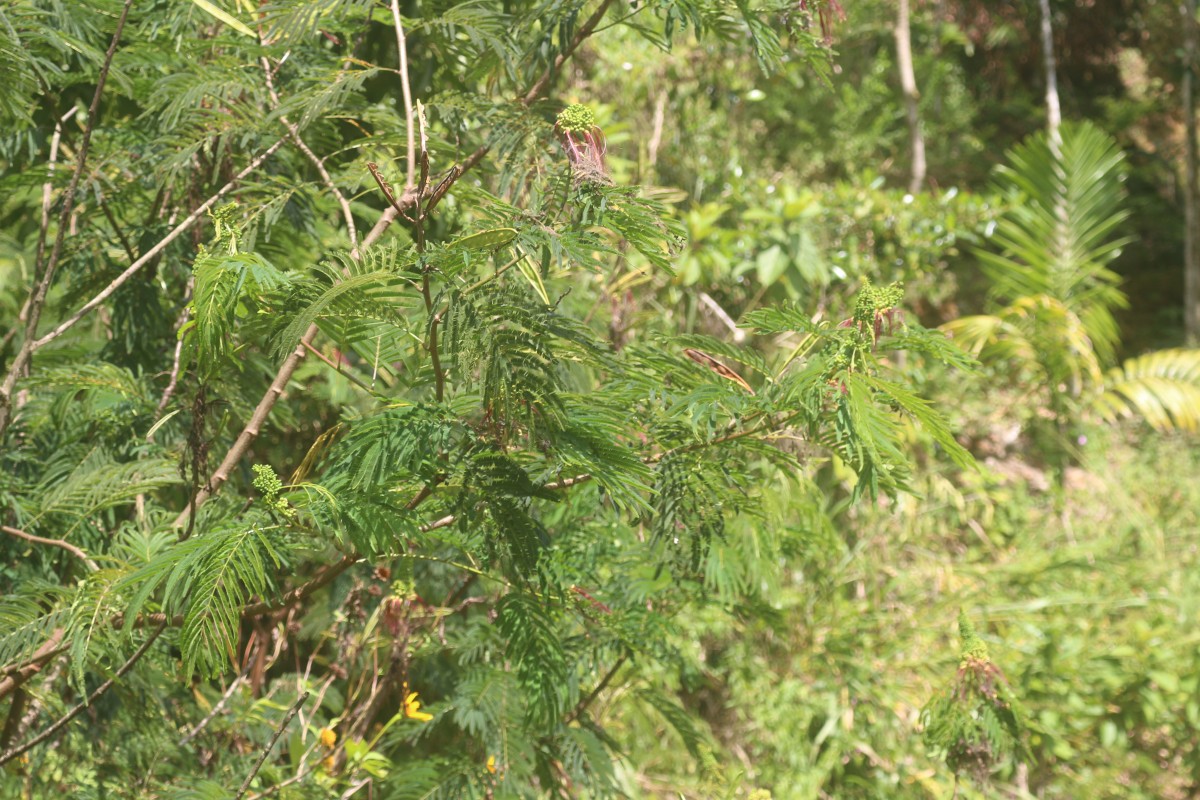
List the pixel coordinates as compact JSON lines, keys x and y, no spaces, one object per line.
{"x":908,"y":82}
{"x":1191,"y":266}
{"x":1053,"y":110}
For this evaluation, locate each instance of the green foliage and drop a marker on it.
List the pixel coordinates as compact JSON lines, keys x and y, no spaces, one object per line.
{"x":608,"y":458}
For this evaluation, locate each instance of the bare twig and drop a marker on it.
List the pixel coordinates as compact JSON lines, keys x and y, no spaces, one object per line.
{"x":444,"y":522}
{"x":116,"y":226}
{"x":567,"y":483}
{"x":70,"y":548}
{"x":591,"y":698}
{"x":283,"y":785}
{"x":37,"y":299}
{"x":739,"y":335}
{"x":263,"y":410}
{"x":305,"y":769}
{"x":32,"y":667}
{"x":33,"y":706}
{"x":439,"y":377}
{"x":386,"y":218}
{"x":660,"y":113}
{"x":91,"y":698}
{"x":253,"y":426}
{"x":295,"y":709}
{"x":177,"y":359}
{"x":353,"y":790}
{"x":202,"y":724}
{"x":326,"y":178}
{"x":16,"y":710}
{"x":324,"y":577}
{"x":47,"y":194}
{"x":406,"y":88}
{"x":338,"y":369}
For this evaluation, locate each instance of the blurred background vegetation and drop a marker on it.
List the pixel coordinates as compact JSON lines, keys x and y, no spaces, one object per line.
{"x":1082,"y":584}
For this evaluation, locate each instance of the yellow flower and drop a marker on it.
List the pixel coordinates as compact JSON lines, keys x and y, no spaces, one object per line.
{"x":491,"y":765}
{"x":412,"y":707}
{"x":328,"y":737}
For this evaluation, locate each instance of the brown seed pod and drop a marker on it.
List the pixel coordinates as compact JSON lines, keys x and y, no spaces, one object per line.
{"x":725,"y":372}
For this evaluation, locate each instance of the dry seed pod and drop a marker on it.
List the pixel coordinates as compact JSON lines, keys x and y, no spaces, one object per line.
{"x":705,"y":359}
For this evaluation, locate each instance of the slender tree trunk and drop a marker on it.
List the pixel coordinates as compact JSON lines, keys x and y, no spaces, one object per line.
{"x":1064,"y":412}
{"x":908,"y":83}
{"x":1191,"y":266}
{"x":1053,"y":110}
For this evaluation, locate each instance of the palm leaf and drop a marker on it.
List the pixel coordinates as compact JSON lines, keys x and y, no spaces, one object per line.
{"x":1162,"y":387}
{"x":1058,"y":239}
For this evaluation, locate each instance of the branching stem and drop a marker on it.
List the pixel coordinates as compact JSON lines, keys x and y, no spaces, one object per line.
{"x":70,"y":548}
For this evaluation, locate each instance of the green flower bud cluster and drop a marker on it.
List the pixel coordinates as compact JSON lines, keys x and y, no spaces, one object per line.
{"x":876,"y":300}
{"x":269,"y":486}
{"x":576,"y":118}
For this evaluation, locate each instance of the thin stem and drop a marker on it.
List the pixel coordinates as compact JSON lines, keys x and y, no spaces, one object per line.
{"x":326,"y":178}
{"x":496,"y":274}
{"x":287,"y":720}
{"x":16,"y":710}
{"x":47,"y":190}
{"x":585,"y":30}
{"x":70,"y":548}
{"x":91,"y":698}
{"x":253,"y":426}
{"x":587,"y":701}
{"x":268,"y":792}
{"x":112,"y":220}
{"x":177,"y":359}
{"x":337,"y":368}
{"x":202,"y":724}
{"x":18,"y":677}
{"x":739,"y":335}
{"x":769,"y":424}
{"x":567,"y":483}
{"x":406,"y":88}
{"x":263,"y":410}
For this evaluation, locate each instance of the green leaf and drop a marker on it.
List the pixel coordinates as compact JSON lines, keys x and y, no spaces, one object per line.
{"x":225,"y":17}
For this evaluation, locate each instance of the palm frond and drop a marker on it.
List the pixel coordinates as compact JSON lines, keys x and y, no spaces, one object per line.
{"x":1163,"y":388}
{"x":1058,"y":238}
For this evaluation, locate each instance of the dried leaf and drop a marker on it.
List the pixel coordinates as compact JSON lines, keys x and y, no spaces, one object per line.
{"x":705,"y":359}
